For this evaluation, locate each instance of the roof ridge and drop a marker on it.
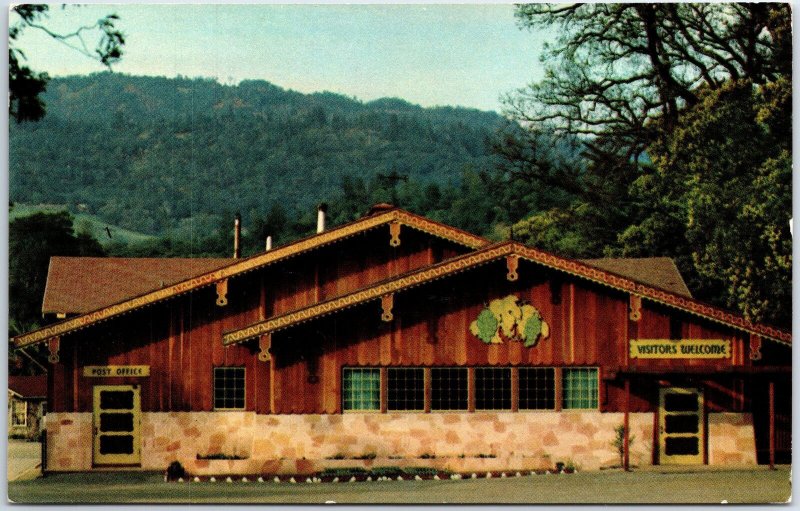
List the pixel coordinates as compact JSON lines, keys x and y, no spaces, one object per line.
{"x":243,"y":265}
{"x":492,"y":252}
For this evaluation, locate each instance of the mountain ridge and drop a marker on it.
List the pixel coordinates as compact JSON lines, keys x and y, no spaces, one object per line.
{"x":149,"y":153}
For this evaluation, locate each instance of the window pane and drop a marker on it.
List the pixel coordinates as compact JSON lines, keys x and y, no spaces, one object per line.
{"x":116,"y":422}
{"x":19,"y":412}
{"x":537,"y":389}
{"x":116,"y":399}
{"x":406,"y":389}
{"x":229,"y":388}
{"x":116,"y":444}
{"x":680,"y":402}
{"x":361,"y":389}
{"x":580,"y":388}
{"x":492,"y":388}
{"x":449,"y":388}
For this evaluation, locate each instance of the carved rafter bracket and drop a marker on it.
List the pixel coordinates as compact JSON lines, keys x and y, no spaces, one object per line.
{"x":755,"y":347}
{"x":635,"y":309}
{"x":512,"y":264}
{"x":222,"y":292}
{"x":387,"y":303}
{"x":394,"y":232}
{"x":54,"y":345}
{"x":264,"y":346}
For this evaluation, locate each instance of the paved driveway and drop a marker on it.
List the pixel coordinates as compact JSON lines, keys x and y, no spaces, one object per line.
{"x":24,"y":460}
{"x":754,"y":485}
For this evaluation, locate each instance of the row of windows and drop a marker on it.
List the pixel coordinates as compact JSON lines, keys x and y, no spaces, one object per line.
{"x":449,"y":388}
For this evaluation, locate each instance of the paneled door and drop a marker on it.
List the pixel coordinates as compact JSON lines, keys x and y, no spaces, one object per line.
{"x":116,"y":424}
{"x":681,"y":425}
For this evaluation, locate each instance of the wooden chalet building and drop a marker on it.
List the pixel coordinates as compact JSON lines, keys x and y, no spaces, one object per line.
{"x":397,"y":340}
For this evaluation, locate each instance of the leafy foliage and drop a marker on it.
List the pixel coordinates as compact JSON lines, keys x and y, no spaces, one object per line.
{"x":680,"y":114}
{"x":181,"y":152}
{"x":722,"y":183}
{"x":32,"y":240}
{"x":27,"y":86}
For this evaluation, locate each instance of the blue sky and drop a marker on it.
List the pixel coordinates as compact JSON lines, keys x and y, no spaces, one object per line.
{"x":465,"y":55}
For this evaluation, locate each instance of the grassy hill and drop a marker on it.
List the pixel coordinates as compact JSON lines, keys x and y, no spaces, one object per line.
{"x":84,"y":222}
{"x":153,"y":155}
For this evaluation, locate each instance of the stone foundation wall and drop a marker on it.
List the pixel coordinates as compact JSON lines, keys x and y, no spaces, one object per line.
{"x":464,"y":442}
{"x":731,"y":439}
{"x":69,"y":441}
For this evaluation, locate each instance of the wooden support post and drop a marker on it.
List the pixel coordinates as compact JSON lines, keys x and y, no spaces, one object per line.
{"x":514,"y":389}
{"x":272,"y":377}
{"x":384,"y":395}
{"x":427,"y":388}
{"x":557,"y":384}
{"x":626,"y":443}
{"x":772,"y":425}
{"x":470,"y":389}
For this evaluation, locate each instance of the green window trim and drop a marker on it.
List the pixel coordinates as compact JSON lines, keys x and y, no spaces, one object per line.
{"x":580,"y":388}
{"x":361,"y":389}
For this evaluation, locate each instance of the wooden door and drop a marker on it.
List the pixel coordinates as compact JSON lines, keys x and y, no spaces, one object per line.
{"x":116,"y":420}
{"x":681,"y":425}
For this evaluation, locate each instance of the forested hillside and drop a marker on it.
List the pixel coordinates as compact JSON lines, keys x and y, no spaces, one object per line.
{"x":158,"y":155}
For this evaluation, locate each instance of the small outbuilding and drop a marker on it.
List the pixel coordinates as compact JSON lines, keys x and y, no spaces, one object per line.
{"x":27,"y":405}
{"x":398,"y":340}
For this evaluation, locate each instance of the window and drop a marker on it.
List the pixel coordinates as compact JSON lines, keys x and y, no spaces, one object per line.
{"x":537,"y":389}
{"x":19,"y":413}
{"x":580,"y":388}
{"x":229,"y":388}
{"x":492,"y":388}
{"x":406,"y":387}
{"x":449,"y":388}
{"x":361,"y":389}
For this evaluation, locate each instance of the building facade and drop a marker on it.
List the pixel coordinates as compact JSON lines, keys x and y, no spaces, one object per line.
{"x":397,"y":340}
{"x":27,"y":405}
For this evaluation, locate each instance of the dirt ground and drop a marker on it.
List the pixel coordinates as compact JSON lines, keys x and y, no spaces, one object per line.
{"x":24,"y":460}
{"x":757,"y":485}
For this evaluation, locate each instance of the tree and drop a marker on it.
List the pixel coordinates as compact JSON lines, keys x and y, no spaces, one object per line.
{"x":722,"y":186}
{"x":26,"y":85}
{"x":32,"y":240}
{"x":683,"y":112}
{"x":630,"y":69}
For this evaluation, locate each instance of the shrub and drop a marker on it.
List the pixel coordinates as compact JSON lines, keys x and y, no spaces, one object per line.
{"x":175,"y":471}
{"x":619,"y":442}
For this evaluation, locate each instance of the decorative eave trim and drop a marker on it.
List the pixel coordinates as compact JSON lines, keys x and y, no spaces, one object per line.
{"x":654,"y":294}
{"x":412,"y":279}
{"x":252,"y":263}
{"x":493,"y":252}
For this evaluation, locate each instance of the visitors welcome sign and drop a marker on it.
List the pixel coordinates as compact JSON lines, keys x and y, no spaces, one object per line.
{"x":681,"y":348}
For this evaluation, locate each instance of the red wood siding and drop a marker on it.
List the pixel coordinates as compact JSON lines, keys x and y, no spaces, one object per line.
{"x":181,"y":339}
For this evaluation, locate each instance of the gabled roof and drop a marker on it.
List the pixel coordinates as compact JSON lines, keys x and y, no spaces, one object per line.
{"x":240,"y":266}
{"x":492,"y":253}
{"x":28,"y":387}
{"x":660,"y":272}
{"x":76,"y":285}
